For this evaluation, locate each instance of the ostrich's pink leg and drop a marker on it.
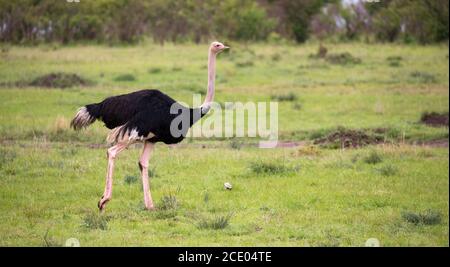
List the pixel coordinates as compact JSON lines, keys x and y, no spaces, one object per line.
{"x":143,"y":165}
{"x":112,"y":153}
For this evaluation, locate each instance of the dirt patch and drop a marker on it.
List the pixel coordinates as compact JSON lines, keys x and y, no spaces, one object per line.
{"x":435,"y":143}
{"x":59,"y":80}
{"x":348,"y":138}
{"x":435,"y":119}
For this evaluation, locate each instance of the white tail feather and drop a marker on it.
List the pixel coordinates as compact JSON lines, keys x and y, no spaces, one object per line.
{"x":82,"y":119}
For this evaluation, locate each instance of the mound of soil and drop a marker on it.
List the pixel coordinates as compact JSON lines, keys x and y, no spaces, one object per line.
{"x":435,"y":119}
{"x":348,"y":138}
{"x":435,"y":143}
{"x":59,"y":80}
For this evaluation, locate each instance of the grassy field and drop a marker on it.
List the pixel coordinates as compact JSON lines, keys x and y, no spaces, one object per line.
{"x":309,"y":195}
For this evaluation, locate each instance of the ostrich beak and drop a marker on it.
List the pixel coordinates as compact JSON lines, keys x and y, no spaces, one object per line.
{"x":226,"y":47}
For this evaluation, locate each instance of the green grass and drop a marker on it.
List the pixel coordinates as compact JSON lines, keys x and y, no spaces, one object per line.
{"x":331,"y":198}
{"x":51,"y":177}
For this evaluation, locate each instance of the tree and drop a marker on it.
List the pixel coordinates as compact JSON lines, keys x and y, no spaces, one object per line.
{"x":299,"y":14}
{"x":424,"y":21}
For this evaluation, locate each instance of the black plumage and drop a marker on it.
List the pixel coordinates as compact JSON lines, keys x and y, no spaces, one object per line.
{"x":146,"y":111}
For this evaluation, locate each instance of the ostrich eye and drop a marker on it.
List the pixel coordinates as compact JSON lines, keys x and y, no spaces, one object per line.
{"x":217,"y":45}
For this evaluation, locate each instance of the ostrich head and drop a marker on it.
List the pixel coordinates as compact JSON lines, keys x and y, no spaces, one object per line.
{"x":217,"y":47}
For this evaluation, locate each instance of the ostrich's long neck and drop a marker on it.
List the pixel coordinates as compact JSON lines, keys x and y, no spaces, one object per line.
{"x":211,"y":80}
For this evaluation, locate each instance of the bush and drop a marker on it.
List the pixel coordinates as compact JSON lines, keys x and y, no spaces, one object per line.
{"x":168,"y":202}
{"x":298,"y":16}
{"x":215,"y":223}
{"x":429,"y":217}
{"x":421,"y":21}
{"x":95,"y":221}
{"x":253,"y":24}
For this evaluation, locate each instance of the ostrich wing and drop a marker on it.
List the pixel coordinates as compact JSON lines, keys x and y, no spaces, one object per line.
{"x":117,"y":110}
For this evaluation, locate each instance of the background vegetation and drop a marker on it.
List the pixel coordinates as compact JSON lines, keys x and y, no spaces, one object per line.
{"x":128,"y":21}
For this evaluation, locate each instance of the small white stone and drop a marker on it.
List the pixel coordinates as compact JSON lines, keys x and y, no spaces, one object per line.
{"x":227,"y":186}
{"x":72,"y":242}
{"x":372,"y":242}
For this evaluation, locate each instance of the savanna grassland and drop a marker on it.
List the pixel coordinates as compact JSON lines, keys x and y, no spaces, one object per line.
{"x":385,"y":176}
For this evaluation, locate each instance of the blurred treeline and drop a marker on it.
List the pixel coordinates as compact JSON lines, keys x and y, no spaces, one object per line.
{"x":116,"y":21}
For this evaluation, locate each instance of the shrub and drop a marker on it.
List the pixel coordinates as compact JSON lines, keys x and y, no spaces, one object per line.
{"x":217,"y":222}
{"x":168,"y":202}
{"x":95,"y":221}
{"x":253,"y":23}
{"x":429,"y":217}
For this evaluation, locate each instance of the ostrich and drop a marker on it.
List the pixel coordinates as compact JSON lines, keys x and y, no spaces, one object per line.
{"x":143,"y":116}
